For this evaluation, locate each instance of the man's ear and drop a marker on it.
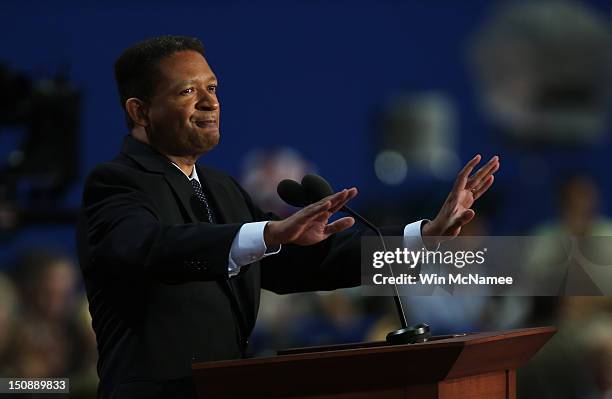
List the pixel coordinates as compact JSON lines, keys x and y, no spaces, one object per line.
{"x":138,"y":111}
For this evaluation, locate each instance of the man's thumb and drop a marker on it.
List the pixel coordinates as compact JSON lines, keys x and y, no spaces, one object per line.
{"x":463,"y":219}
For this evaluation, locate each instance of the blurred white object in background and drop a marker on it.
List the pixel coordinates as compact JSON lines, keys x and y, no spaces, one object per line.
{"x":544,"y":71}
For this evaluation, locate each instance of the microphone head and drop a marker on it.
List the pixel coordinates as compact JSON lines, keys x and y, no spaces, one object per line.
{"x":292,"y":193}
{"x":315,"y":187}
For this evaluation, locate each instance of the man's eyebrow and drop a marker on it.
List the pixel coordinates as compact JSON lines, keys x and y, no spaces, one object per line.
{"x":191,"y":81}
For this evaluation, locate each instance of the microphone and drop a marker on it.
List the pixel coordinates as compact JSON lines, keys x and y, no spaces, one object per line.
{"x":292,"y":193}
{"x":315,"y":188}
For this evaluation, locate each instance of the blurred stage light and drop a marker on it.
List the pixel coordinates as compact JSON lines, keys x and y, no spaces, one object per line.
{"x":390,"y":167}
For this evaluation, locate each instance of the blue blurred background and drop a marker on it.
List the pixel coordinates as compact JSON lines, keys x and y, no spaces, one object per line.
{"x":306,"y":74}
{"x":388,"y":96}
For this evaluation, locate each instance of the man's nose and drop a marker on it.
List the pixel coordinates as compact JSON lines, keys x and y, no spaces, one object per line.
{"x":207,"y":102}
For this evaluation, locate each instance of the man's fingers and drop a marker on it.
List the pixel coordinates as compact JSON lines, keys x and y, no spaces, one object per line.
{"x":319,"y":208}
{"x":491,"y":167}
{"x":313,"y":210}
{"x":484,"y":187}
{"x":465,"y":172}
{"x":467,"y":169}
{"x":339,"y":225}
{"x":334,"y":198}
{"x":479,"y":177}
{"x":324,"y":208}
{"x":351,"y":193}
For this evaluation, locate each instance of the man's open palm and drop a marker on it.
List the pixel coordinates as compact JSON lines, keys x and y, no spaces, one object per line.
{"x":456,"y":210}
{"x":310,"y":225}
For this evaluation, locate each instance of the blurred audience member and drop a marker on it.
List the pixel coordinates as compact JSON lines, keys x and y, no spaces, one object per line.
{"x":8,"y":312}
{"x":262,"y":171}
{"x":84,"y":380}
{"x":597,"y":342}
{"x":577,"y":362}
{"x":276,"y":319}
{"x":49,"y":342}
{"x":579,"y":201}
{"x":554,"y":250}
{"x":338,"y":319}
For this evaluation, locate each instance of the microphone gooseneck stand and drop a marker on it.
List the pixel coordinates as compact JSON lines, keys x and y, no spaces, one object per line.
{"x":315,"y":188}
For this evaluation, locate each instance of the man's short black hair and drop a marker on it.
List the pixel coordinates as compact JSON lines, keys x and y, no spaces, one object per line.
{"x":136,"y":68}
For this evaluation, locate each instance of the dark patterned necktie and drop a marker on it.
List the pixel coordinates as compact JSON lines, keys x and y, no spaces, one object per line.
{"x":197,"y":188}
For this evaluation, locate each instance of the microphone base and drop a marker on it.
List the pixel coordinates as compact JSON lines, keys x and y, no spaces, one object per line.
{"x":409,"y":335}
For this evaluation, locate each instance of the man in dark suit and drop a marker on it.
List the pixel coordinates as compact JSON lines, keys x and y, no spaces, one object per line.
{"x":174,"y":254}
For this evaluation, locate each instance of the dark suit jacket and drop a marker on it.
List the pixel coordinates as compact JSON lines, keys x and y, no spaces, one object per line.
{"x":156,"y":274}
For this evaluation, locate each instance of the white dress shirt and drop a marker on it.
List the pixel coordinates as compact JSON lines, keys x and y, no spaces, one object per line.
{"x":249,"y":245}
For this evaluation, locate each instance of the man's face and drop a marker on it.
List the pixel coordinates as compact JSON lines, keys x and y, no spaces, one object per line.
{"x":184,"y":111}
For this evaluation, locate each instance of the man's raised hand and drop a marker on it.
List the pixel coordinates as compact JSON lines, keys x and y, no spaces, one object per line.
{"x":310,"y":225}
{"x":456,"y":211}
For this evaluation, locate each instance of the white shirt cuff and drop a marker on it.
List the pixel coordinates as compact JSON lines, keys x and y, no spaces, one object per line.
{"x":413,"y":240}
{"x":248,"y":247}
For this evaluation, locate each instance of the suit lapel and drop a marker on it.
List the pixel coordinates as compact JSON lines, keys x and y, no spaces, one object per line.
{"x":223,"y":201}
{"x":147,"y":157}
{"x":184,"y":191}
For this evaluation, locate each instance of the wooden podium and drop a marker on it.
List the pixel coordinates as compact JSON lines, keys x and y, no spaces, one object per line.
{"x":481,"y":365}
